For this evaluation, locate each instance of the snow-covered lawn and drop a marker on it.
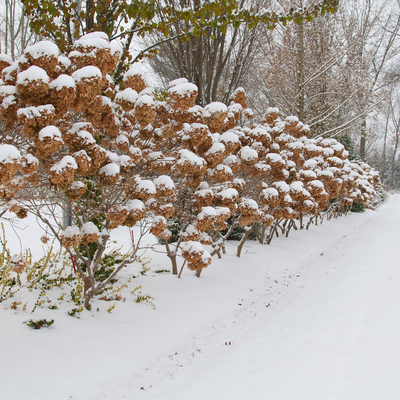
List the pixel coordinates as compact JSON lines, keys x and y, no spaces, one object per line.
{"x":315,"y":316}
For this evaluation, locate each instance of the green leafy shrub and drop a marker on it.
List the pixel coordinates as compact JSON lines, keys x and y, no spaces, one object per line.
{"x":357,"y":207}
{"x":107,"y":264}
{"x":143,"y":297}
{"x":41,"y":323}
{"x":237,"y":232}
{"x":52,"y":281}
{"x":175,"y":228}
{"x":10,"y":282}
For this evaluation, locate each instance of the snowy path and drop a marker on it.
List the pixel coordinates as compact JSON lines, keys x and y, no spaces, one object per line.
{"x":336,"y":338}
{"x":315,"y":316}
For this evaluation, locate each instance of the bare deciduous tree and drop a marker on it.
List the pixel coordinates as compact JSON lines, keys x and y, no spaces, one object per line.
{"x":331,"y":73}
{"x":217,"y":61}
{"x":14,"y":28}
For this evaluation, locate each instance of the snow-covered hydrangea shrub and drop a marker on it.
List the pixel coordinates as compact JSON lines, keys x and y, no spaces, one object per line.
{"x":121,"y":156}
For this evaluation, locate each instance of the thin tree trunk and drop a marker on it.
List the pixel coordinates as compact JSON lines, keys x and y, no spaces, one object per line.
{"x":247,"y":232}
{"x":384,"y":146}
{"x":89,"y":16}
{"x":363,"y":137}
{"x":172,"y":256}
{"x":394,"y":159}
{"x":273,"y":231}
{"x":300,"y":76}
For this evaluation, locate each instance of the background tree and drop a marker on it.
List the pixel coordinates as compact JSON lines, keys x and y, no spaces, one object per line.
{"x":217,"y":61}
{"x":383,"y":147}
{"x":331,"y":73}
{"x":374,"y":27}
{"x":15,"y":33}
{"x":64,"y":21}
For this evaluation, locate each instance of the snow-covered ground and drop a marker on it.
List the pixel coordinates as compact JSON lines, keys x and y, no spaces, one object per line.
{"x":310,"y":317}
